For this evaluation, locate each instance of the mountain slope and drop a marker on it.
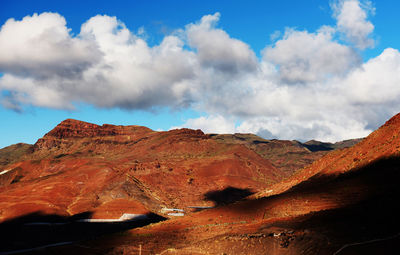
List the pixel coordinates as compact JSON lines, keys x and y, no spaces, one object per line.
{"x":13,"y":153}
{"x":384,"y":142}
{"x":110,"y":170}
{"x":344,"y":203}
{"x":287,"y":156}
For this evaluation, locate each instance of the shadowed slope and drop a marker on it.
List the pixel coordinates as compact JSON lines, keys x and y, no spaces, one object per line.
{"x":37,"y":231}
{"x":318,"y":218}
{"x":384,"y":142}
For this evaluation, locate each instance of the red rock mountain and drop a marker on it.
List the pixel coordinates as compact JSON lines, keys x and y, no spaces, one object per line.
{"x":110,"y":170}
{"x":383,"y":143}
{"x":344,"y":203}
{"x":287,"y":156}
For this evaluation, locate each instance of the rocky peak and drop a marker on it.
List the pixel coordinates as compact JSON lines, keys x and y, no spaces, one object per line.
{"x":77,"y":129}
{"x":70,"y":132}
{"x":186,"y":132}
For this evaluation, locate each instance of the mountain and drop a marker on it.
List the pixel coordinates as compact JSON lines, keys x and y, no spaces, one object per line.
{"x":247,"y":195}
{"x":110,"y":170}
{"x":344,"y":203}
{"x":287,"y":156}
{"x":14,"y":153}
{"x":380,"y":144}
{"x":314,"y":145}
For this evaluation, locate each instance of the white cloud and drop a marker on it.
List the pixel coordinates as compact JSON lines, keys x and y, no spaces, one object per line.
{"x":377,"y":82}
{"x":352,"y":21}
{"x":41,"y":46}
{"x":217,"y":50}
{"x":324,"y":129}
{"x":28,"y":91}
{"x":211,"y":124}
{"x":308,"y":85}
{"x":308,"y":57}
{"x":105,"y":65}
{"x":275,"y":35}
{"x":134,"y":75}
{"x":373,"y":89}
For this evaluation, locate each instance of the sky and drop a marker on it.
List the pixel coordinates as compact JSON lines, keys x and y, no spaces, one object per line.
{"x":324,"y":70}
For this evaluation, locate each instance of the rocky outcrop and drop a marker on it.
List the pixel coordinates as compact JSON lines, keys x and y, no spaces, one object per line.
{"x":70,"y":131}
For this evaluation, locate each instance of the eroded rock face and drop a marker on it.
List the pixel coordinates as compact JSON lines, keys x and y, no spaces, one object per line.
{"x":69,"y":132}
{"x":80,"y":166}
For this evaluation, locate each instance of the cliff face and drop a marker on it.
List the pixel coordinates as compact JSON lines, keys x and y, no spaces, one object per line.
{"x":109,"y":170}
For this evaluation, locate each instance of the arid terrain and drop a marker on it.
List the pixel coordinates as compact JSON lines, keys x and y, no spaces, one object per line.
{"x":201,"y":193}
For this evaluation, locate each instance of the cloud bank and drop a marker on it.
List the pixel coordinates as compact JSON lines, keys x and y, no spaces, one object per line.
{"x":306,"y":85}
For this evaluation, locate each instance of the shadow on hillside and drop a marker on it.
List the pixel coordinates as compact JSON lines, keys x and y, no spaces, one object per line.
{"x":378,"y":178}
{"x":38,"y":231}
{"x":373,"y":215}
{"x":227,"y":196}
{"x":378,"y":175}
{"x":368,"y":227}
{"x":367,"y":210}
{"x":319,"y":147}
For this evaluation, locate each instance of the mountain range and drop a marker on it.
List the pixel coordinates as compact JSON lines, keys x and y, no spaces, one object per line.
{"x":228,"y":194}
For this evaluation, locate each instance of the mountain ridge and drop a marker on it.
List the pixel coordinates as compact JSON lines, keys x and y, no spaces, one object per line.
{"x":371,"y":148}
{"x":79,"y":166}
{"x":245,"y":203}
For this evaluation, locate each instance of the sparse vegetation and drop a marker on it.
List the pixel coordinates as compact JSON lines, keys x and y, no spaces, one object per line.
{"x":14,"y":153}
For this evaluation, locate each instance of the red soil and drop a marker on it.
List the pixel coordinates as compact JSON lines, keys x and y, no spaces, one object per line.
{"x":79,"y":167}
{"x":346,"y":196}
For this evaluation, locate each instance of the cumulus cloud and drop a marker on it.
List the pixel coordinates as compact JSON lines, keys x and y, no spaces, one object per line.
{"x":105,"y":65}
{"x":308,"y":57}
{"x":26,"y":90}
{"x":41,"y":46}
{"x":307,"y":85}
{"x":133,"y":75}
{"x":211,"y":124}
{"x":217,"y":50}
{"x":351,"y":16}
{"x":325,"y":129}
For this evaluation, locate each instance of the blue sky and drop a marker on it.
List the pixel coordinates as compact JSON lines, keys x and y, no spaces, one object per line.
{"x":202,"y":85}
